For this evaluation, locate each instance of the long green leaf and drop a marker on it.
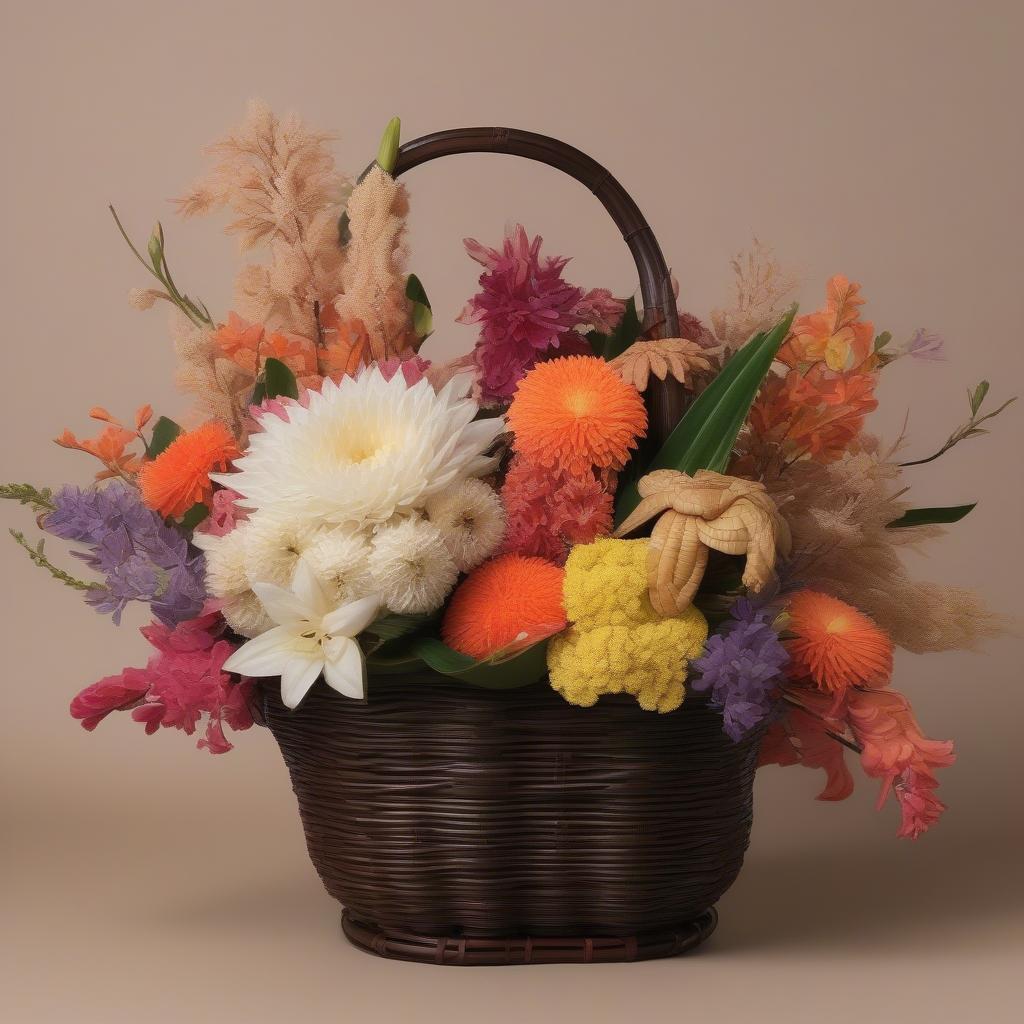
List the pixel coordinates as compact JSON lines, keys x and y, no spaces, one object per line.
{"x":704,"y":437}
{"x":165,"y":431}
{"x":932,"y":516}
{"x":521,"y":669}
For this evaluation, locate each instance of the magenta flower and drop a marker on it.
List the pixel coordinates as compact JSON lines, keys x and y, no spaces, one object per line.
{"x":528,"y":312}
{"x":183,"y":684}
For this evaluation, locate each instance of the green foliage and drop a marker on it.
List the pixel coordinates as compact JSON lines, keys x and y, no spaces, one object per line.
{"x":932,"y":516}
{"x":41,"y":499}
{"x":38,"y":556}
{"x":422,"y":316}
{"x":278,"y":380}
{"x":704,"y":437}
{"x":628,"y":329}
{"x":193,"y":517}
{"x":165,"y":431}
{"x":495,"y":673}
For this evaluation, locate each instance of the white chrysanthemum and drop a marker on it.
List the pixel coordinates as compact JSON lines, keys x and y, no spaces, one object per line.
{"x":274,"y":546}
{"x":470,"y":519}
{"x":364,"y":449}
{"x":411,"y":568}
{"x":340,"y":560}
{"x":227,"y":578}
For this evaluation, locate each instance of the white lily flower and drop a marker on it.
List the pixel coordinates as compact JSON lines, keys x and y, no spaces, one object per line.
{"x":311,"y":636}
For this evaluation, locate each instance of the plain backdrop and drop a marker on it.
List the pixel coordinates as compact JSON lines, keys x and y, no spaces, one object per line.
{"x":145,"y":880}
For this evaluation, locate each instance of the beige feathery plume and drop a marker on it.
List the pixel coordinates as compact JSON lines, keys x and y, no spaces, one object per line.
{"x":707,"y":510}
{"x":839,"y":514}
{"x":761,"y":289}
{"x":373,"y":277}
{"x":664,"y":357}
{"x":221,"y":387}
{"x":279,"y":179}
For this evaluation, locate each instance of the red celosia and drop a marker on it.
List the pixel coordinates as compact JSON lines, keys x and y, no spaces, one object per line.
{"x":547,"y":511}
{"x":183,"y":682}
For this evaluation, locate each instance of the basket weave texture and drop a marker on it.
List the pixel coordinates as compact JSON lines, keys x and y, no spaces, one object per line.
{"x":436,"y":809}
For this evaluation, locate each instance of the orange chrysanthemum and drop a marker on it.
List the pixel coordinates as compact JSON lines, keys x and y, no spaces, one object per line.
{"x":179,"y":477}
{"x":835,"y":645}
{"x":576,"y":413}
{"x":510,"y":601}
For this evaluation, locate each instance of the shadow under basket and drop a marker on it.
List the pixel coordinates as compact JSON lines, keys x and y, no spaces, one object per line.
{"x":465,"y":826}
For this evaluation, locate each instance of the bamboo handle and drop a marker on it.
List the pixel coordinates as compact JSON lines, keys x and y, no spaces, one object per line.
{"x":664,"y":398}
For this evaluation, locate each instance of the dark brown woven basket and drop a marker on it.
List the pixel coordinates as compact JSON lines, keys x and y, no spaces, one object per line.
{"x":466,"y":826}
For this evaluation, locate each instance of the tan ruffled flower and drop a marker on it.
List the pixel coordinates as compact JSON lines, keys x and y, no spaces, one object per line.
{"x":707,"y":510}
{"x":664,"y":357}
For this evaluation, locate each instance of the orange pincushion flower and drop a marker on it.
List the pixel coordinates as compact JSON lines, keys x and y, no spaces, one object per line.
{"x":835,"y":645}
{"x":179,"y":477}
{"x":504,"y":598}
{"x":576,"y":413}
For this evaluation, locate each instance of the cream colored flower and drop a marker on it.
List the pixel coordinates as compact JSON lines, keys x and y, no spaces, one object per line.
{"x":664,"y":357}
{"x":340,"y":561}
{"x":274,"y":546}
{"x":470,"y":519}
{"x":227,"y":578}
{"x":245,"y":614}
{"x":363,"y":450}
{"x":411,"y":568}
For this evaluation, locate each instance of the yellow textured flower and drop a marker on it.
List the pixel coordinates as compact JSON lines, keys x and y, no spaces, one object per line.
{"x":617,"y":643}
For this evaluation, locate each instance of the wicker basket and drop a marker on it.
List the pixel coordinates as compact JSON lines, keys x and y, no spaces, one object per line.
{"x":466,"y":826}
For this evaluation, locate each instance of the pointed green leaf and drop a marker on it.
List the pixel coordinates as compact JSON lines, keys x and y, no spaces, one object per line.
{"x":627,"y":330}
{"x":165,"y":431}
{"x":279,"y":381}
{"x":882,"y":340}
{"x":932,"y":516}
{"x":522,"y":669}
{"x":704,"y":437}
{"x":415,"y":291}
{"x":387,"y":154}
{"x":194,"y":516}
{"x":979,"y":396}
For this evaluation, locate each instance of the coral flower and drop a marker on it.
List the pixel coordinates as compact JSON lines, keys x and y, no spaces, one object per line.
{"x":576,"y":413}
{"x":179,"y":477}
{"x":510,"y":600}
{"x":835,"y":645}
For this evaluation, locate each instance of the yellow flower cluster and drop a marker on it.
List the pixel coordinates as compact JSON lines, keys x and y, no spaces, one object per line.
{"x":616,"y":642}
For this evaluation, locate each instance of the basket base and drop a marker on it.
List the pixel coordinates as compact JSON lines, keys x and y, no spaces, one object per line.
{"x":463,"y":951}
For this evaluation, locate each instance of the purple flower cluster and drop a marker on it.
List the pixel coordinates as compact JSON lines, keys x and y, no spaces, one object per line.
{"x":740,"y":667}
{"x":140,"y":556}
{"x":528,"y":312}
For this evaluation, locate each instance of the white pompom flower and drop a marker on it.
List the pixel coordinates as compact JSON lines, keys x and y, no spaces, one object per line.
{"x":364,"y":449}
{"x":227,"y":579}
{"x":274,"y":546}
{"x":411,"y":567}
{"x":470,"y":519}
{"x":340,"y":561}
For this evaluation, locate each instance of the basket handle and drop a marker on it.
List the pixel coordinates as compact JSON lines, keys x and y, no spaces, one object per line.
{"x":664,"y":398}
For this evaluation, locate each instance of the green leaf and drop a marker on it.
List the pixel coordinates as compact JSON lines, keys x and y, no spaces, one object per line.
{"x":704,"y":437}
{"x":422,"y":317}
{"x":627,"y":330}
{"x":393,"y":665}
{"x":882,"y":340}
{"x":278,"y":380}
{"x":194,"y":516}
{"x":931,"y":516}
{"x":494,"y":673}
{"x":41,"y":499}
{"x":978,"y":396}
{"x":415,"y":291}
{"x":393,"y":626}
{"x":165,"y":431}
{"x":387,"y":154}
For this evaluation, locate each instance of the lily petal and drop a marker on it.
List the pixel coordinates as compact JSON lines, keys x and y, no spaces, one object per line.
{"x":284,"y":607}
{"x":308,"y":589}
{"x":345,"y":669}
{"x":298,"y":675}
{"x":264,"y":655}
{"x":352,"y":618}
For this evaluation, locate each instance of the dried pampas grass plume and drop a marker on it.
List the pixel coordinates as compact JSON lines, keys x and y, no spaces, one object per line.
{"x":762,"y":287}
{"x":278,"y":177}
{"x":373,"y":277}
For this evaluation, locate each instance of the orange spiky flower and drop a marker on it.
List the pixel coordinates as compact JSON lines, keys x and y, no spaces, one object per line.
{"x":576,"y":413}
{"x":835,"y":645}
{"x":510,"y":602}
{"x":179,"y":477}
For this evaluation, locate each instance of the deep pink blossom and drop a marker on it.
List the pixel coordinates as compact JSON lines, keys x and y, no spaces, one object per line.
{"x":224,"y":515}
{"x":183,"y":684}
{"x":528,"y":312}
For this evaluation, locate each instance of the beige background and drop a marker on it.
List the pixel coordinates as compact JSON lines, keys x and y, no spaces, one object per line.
{"x":143,"y":880}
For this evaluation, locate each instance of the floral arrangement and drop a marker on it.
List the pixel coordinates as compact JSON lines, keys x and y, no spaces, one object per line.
{"x":339,"y":506}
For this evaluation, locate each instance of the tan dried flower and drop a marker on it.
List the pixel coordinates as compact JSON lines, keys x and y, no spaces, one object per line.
{"x":707,"y":510}
{"x":664,"y":357}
